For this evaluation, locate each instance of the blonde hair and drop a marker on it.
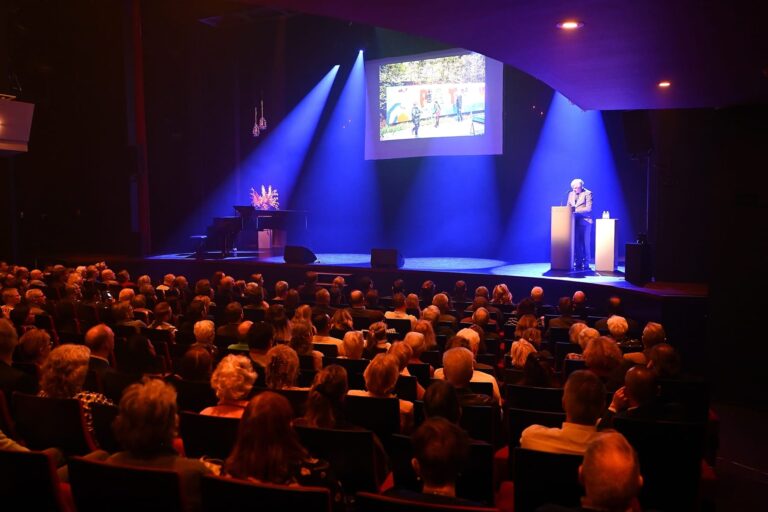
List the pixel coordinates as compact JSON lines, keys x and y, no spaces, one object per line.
{"x":63,"y":373}
{"x":425,"y":328}
{"x":402,"y":352}
{"x":417,"y":342}
{"x":381,"y":375}
{"x":233,"y":378}
{"x":353,"y":344}
{"x":602,"y":354}
{"x":586,"y":335}
{"x":520,"y":351}
{"x":617,"y":326}
{"x":574,"y":330}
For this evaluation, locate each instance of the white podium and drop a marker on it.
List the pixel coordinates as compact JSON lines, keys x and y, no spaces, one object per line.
{"x":605,"y":245}
{"x":561,"y":233}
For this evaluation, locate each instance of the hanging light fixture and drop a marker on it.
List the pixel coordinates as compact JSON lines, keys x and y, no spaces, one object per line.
{"x":256,"y":131}
{"x":262,"y":119}
{"x":259,"y":123}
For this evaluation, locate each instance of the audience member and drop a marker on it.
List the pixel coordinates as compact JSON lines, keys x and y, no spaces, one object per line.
{"x":584,"y":402}
{"x":400,"y":310}
{"x":268,"y":449}
{"x":354,"y":344}
{"x":145,"y":427}
{"x":232,"y":380}
{"x":653,"y":334}
{"x":380,"y":379}
{"x":63,"y":376}
{"x":282,"y":369}
{"x":12,"y":379}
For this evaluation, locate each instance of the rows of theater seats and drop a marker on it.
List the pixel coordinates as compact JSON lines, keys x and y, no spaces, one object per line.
{"x":671,"y":453}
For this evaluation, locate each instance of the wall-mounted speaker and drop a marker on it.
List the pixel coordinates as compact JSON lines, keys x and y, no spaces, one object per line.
{"x":298,"y":254}
{"x":386,"y":258}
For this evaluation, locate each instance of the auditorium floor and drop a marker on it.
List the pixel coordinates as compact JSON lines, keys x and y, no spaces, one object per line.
{"x":742,"y":463}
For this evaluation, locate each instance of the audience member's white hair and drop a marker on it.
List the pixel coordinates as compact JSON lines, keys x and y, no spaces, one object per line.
{"x":205,"y":332}
{"x":472,"y":337}
{"x":233,"y":378}
{"x":617,"y":326}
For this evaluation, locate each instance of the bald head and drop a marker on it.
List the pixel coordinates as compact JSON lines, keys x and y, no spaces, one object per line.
{"x":640,"y":384}
{"x":101,"y":340}
{"x":579,"y":297}
{"x":610,"y":473}
{"x":356,"y":298}
{"x":537,"y":293}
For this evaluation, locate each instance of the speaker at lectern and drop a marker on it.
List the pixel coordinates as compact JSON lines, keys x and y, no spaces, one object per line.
{"x":561,"y":233}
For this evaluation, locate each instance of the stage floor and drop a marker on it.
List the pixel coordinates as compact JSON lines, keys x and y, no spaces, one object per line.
{"x":475,"y":266}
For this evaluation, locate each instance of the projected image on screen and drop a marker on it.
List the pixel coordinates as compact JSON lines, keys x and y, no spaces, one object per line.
{"x":438,"y":97}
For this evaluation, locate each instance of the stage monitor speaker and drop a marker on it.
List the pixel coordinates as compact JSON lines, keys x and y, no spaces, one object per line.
{"x":386,"y":258}
{"x":637,"y":132}
{"x":637,"y":264}
{"x":298,"y":254}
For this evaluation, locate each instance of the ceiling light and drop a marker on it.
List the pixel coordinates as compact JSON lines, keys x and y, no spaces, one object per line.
{"x":570,"y":25}
{"x":664,"y":84}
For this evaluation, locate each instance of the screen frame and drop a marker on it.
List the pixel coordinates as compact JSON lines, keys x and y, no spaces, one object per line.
{"x":489,"y":143}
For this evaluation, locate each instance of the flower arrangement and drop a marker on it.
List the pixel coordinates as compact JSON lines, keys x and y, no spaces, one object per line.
{"x":268,"y":199}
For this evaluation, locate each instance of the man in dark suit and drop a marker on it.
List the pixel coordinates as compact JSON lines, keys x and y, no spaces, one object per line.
{"x":637,"y":399}
{"x":580,"y":199}
{"x":323,"y":303}
{"x":12,"y":379}
{"x":233,"y":315}
{"x":101,"y":340}
{"x":357,"y":308}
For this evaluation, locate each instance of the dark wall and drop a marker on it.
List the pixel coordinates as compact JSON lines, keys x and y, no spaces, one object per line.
{"x":70,"y":187}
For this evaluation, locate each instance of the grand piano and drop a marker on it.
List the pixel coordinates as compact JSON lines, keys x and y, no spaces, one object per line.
{"x":253,"y":229}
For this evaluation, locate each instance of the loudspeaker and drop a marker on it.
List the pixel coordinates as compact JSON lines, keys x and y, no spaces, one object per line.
{"x":637,"y":131}
{"x":386,"y":258}
{"x":637,"y":264}
{"x":298,"y":254}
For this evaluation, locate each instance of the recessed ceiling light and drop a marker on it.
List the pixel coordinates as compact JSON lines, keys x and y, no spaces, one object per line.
{"x":570,"y":25}
{"x":664,"y":84}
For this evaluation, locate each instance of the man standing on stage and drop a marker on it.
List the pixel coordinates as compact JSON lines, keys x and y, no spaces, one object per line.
{"x":416,"y":118}
{"x":580,"y":199}
{"x":459,"y":101}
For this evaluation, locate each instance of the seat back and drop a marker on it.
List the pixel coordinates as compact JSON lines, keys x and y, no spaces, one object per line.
{"x":401,"y":325}
{"x":381,"y":415}
{"x":520,"y":419}
{"x":361,"y":323}
{"x":542,"y":478}
{"x":482,"y":388}
{"x":475,"y":482}
{"x":45,"y":422}
{"x":97,"y":486}
{"x":370,"y":502}
{"x":209,"y":436}
{"x":192,"y":395}
{"x":480,"y":423}
{"x":227,"y":494}
{"x":29,"y":478}
{"x":405,"y":387}
{"x":421,"y":372}
{"x":432,"y":357}
{"x":538,"y":399}
{"x":114,"y":384}
{"x":670,"y":456}
{"x":562,"y":349}
{"x":6,"y":421}
{"x":558,"y":334}
{"x":297,"y":398}
{"x":351,"y":453}
{"x":571,"y":365}
{"x":103,"y":416}
{"x":327,"y":349}
{"x":254,"y":314}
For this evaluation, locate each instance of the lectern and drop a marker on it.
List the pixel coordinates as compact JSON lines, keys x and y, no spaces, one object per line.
{"x":561,"y":232}
{"x":605,"y":245}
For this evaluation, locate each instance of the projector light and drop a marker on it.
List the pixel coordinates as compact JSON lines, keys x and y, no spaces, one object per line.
{"x":665,"y":84}
{"x":570,"y":25}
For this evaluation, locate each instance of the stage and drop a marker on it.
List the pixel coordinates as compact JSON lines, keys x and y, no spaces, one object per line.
{"x":481,"y":269}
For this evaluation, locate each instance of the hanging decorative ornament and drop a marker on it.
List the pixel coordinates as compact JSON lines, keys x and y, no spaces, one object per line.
{"x":256,"y":132}
{"x":262,"y":119}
